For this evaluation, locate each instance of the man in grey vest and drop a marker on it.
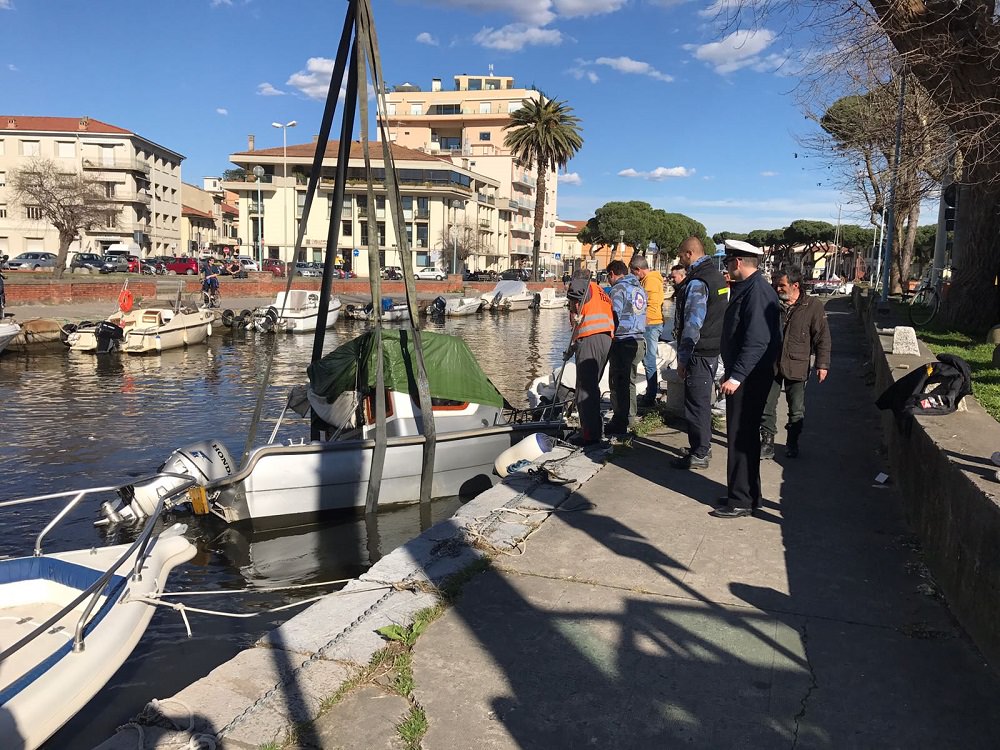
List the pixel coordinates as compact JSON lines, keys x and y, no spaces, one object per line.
{"x":701,"y":306}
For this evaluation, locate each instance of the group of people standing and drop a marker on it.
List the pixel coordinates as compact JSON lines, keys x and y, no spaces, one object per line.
{"x":765,"y":334}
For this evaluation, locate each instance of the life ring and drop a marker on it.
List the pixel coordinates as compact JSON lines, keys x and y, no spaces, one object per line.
{"x":125,"y":301}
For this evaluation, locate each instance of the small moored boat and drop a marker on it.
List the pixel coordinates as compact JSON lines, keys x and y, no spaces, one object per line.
{"x":455,"y":306}
{"x":391,"y":312}
{"x":144,"y":331}
{"x":295,"y":314}
{"x":508,"y":296}
{"x":8,"y":332}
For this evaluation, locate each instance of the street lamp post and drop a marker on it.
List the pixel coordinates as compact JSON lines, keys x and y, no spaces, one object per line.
{"x":258,"y":172}
{"x":284,"y":166}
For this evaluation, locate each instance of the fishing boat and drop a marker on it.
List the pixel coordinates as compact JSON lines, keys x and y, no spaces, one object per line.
{"x":391,"y":312}
{"x":456,"y":306}
{"x":146,"y":330}
{"x":508,"y":296}
{"x":69,"y":620}
{"x":8,"y":332}
{"x":294,"y":313}
{"x":549,"y":300}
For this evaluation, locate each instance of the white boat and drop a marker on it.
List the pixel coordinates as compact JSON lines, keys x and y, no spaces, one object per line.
{"x":455,"y":306}
{"x":549,"y":300}
{"x":295,"y":314}
{"x":69,"y":620}
{"x":391,"y":312}
{"x":144,"y":330}
{"x":299,"y":481}
{"x":8,"y":332}
{"x":508,"y":296}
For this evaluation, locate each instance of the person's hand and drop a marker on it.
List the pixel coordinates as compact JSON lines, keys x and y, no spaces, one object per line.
{"x":821,"y":375}
{"x":682,"y":372}
{"x":729,"y":387}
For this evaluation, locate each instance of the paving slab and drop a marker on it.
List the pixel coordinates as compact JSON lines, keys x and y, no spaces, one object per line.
{"x":365,"y":719}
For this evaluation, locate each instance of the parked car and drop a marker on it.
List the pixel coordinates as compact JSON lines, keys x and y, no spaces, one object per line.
{"x":307,"y":269}
{"x":32,"y":262}
{"x":248,"y":263}
{"x":186,"y":266}
{"x":515,"y":274}
{"x":430,"y":273}
{"x":275,"y":266}
{"x":115,"y":264}
{"x":93,"y":261}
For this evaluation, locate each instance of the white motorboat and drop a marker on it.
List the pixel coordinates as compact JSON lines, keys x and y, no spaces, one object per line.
{"x":455,"y":306}
{"x":299,"y":481}
{"x":8,"y":332}
{"x":391,"y":312}
{"x":549,"y":300}
{"x":69,"y":620}
{"x":543,"y":390}
{"x":144,"y":330}
{"x":508,"y":296}
{"x":295,"y":313}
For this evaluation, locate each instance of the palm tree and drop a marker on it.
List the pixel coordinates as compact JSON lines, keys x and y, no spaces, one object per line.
{"x":543,"y":132}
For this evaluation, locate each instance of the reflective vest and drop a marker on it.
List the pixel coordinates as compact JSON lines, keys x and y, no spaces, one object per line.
{"x":595,"y":314}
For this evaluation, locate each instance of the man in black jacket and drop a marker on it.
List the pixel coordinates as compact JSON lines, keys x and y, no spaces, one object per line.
{"x":805,"y":334}
{"x":751,"y":344}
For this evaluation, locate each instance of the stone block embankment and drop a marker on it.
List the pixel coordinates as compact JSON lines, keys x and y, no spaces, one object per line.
{"x":948,"y":485}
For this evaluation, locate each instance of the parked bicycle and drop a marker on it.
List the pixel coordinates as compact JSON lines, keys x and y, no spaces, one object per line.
{"x":926,"y":300}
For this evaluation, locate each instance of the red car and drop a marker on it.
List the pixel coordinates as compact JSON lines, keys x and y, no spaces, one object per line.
{"x":187,"y":266}
{"x":275,"y":266}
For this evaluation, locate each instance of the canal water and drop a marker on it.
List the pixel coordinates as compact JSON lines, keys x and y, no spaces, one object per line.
{"x":70,"y":420}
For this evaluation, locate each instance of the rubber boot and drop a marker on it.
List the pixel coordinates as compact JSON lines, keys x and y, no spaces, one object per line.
{"x":792,"y":443}
{"x":766,"y":445}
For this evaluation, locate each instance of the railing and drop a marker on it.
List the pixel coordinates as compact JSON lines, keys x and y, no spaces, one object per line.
{"x":485,"y":223}
{"x":144,"y":198}
{"x":135,"y":165}
{"x":422,"y":213}
{"x":251,"y":179}
{"x":255,"y":208}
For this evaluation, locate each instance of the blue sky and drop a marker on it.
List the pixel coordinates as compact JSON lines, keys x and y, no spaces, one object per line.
{"x":675,"y":110}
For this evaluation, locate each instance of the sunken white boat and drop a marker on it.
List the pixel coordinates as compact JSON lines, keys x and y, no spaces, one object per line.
{"x":69,"y":620}
{"x":508,"y":296}
{"x":148,"y":330}
{"x":391,"y":312}
{"x":456,"y":306}
{"x":295,"y":312}
{"x":8,"y":332}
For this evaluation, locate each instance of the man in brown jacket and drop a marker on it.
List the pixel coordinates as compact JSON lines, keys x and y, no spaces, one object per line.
{"x":806,"y":334}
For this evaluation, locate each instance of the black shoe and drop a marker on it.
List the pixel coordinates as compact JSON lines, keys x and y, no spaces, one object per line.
{"x":613,"y":430}
{"x":579,"y":441}
{"x":731,"y":512}
{"x":766,"y":445}
{"x":696,"y":463}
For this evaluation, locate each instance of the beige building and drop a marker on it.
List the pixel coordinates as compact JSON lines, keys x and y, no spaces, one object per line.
{"x":466,"y":125}
{"x":209,"y":225}
{"x":570,"y":253}
{"x":140,"y":176}
{"x":443,"y":203}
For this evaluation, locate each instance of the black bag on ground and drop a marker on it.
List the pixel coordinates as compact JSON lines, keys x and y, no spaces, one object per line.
{"x":932,"y":389}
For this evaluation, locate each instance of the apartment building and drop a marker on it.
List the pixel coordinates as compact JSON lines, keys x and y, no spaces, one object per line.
{"x":143,"y":178}
{"x":466,"y":125}
{"x":570,"y":254}
{"x":445,"y":206}
{"x":209,"y":225}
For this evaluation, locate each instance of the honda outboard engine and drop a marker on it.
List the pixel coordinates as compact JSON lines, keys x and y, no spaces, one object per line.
{"x":108,"y":336}
{"x":205,"y":462}
{"x":439,"y":304}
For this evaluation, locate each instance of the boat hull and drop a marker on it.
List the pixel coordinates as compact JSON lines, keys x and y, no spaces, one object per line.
{"x":150,"y":331}
{"x":298,"y":317}
{"x":287,"y":485}
{"x":44,"y":684}
{"x":8,"y":332}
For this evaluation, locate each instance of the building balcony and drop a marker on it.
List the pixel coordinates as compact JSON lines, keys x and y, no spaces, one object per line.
{"x":486,"y":198}
{"x":117,"y":165}
{"x":250,"y":184}
{"x":484,"y":223}
{"x":253,"y":207}
{"x":137,"y":197}
{"x":422,"y":213}
{"x":521,"y":185}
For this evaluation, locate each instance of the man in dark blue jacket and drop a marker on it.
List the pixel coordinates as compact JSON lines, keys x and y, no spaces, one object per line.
{"x":751,"y":345}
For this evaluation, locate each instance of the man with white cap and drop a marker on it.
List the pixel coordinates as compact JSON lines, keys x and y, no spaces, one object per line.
{"x":751,"y":345}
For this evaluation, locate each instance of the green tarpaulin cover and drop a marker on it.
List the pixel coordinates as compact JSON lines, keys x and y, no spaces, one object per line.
{"x":452,"y":371}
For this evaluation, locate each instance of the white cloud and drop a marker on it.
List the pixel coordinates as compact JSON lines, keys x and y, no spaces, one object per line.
{"x":738,"y":50}
{"x":635,"y":67}
{"x":221,"y":111}
{"x":314,"y":81}
{"x":768,"y":173}
{"x":266,"y":89}
{"x":570,"y":178}
{"x":426,"y":38}
{"x":12,"y":67}
{"x":659,"y":174}
{"x":217,"y":3}
{"x":580,"y":72}
{"x":582,"y":8}
{"x":516,"y":36}
{"x":667,"y":3}
{"x":530,"y":12}
{"x":6,"y":4}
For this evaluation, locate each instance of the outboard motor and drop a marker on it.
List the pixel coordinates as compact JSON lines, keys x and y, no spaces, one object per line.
{"x":206,"y":461}
{"x":439,"y":304}
{"x":497,"y":299}
{"x":108,"y":336}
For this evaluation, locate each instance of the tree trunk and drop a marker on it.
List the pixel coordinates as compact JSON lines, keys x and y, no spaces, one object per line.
{"x":904,"y":258}
{"x":972,"y":301}
{"x":536,"y":245}
{"x":65,"y":240}
{"x":895,"y":283}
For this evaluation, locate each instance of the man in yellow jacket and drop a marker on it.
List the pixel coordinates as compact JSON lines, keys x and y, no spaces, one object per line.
{"x":652,"y":283}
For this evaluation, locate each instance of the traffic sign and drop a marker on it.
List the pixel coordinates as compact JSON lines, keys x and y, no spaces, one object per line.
{"x":557,"y":256}
{"x":356,"y":252}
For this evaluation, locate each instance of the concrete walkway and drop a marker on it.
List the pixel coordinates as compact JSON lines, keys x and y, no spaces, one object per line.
{"x":635,"y":620}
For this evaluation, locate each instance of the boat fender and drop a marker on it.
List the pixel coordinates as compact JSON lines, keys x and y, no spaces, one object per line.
{"x":125,"y":301}
{"x":531,"y":448}
{"x":65,"y":331}
{"x":246,"y":316}
{"x":228,"y":316}
{"x":272,"y":314}
{"x":208,"y":330}
{"x":266,"y":324}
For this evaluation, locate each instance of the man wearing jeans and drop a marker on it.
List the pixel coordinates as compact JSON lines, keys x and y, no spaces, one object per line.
{"x":652,"y":283}
{"x":628,"y":304}
{"x":701,"y":307}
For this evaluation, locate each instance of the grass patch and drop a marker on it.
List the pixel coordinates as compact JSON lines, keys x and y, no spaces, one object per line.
{"x":270,"y":746}
{"x":968,"y":345}
{"x":649,"y":422}
{"x":403,"y":683}
{"x":413,"y":728}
